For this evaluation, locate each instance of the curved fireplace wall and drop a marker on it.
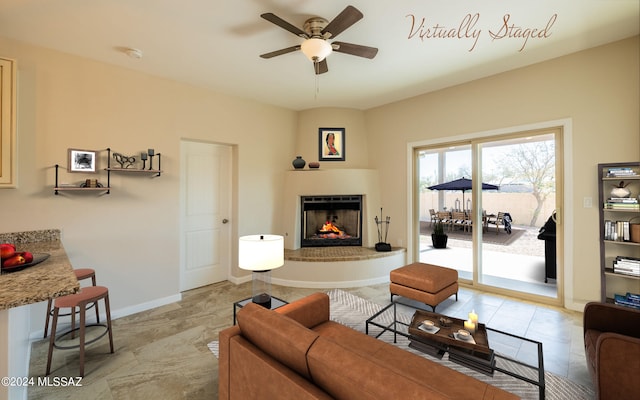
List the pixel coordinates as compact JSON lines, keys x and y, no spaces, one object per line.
{"x":333,"y":220}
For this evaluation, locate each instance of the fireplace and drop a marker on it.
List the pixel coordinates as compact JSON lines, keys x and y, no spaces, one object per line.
{"x":331,"y":220}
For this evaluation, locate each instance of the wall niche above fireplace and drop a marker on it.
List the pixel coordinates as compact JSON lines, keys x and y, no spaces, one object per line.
{"x":331,"y":220}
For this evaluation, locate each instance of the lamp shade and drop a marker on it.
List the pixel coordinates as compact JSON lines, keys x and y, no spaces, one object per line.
{"x":261,"y":252}
{"x":316,"y":49}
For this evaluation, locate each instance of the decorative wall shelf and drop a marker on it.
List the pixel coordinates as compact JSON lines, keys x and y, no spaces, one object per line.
{"x":72,"y":188}
{"x":158,"y":172}
{"x":106,"y":189}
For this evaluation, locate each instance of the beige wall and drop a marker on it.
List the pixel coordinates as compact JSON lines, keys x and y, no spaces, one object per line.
{"x":131,"y":235}
{"x":309,"y":121}
{"x":597,"y":89}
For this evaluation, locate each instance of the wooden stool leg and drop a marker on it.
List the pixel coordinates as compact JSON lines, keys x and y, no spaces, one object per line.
{"x":46,"y":322}
{"x":52,"y":339}
{"x":93,"y":281}
{"x":73,"y":322}
{"x":97,"y":313}
{"x":83,"y":327}
{"x":108,"y":309}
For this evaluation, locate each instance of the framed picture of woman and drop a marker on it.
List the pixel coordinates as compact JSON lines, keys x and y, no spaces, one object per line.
{"x":331,"y":145}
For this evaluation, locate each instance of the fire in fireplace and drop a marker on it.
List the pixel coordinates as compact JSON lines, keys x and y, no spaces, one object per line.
{"x":331,"y":220}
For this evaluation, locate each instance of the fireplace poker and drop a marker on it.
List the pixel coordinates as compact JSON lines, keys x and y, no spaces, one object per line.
{"x":386,"y":232}
{"x":382,"y":246}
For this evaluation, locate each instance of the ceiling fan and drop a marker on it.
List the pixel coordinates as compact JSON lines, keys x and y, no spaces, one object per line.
{"x":317,"y":31}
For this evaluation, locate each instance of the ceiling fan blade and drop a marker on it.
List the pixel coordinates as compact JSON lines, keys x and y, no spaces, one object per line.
{"x":280,"y":52}
{"x":271,"y":17}
{"x":321,"y":67}
{"x":345,"y":19}
{"x":355,"y":49}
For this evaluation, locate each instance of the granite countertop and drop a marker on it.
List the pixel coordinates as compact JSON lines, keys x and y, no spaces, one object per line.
{"x":51,"y":278}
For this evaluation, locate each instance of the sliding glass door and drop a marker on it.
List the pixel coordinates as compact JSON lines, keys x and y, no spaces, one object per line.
{"x":494,"y":236}
{"x":436,"y":166}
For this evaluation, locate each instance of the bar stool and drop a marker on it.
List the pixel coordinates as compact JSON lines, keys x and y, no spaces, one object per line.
{"x":81,"y":274}
{"x":90,"y":294}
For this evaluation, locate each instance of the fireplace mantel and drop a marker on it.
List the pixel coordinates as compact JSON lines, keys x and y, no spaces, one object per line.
{"x":310,"y":182}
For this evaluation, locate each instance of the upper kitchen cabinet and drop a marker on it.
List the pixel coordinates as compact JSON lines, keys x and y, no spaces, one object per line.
{"x":7,"y":123}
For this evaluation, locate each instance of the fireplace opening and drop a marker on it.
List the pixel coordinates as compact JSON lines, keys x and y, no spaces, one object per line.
{"x":331,"y":221}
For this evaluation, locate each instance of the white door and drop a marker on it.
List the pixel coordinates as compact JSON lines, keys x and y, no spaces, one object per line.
{"x":205,"y":188}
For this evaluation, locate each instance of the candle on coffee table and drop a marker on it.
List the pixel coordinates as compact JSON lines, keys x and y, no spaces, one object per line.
{"x":470,"y":326}
{"x":473,"y":317}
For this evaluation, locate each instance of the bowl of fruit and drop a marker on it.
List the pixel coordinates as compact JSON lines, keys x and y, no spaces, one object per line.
{"x":13,"y":260}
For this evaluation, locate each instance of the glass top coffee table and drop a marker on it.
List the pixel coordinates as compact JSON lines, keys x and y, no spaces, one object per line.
{"x":275,"y":303}
{"x":491,"y":350}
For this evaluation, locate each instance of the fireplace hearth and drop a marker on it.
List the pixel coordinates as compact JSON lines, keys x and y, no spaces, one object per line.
{"x":331,"y":220}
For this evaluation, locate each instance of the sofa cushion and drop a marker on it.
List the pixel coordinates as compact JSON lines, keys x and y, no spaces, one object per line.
{"x":309,"y":311}
{"x":349,"y":338}
{"x":255,"y":375}
{"x":277,"y":335}
{"x":348,"y":375}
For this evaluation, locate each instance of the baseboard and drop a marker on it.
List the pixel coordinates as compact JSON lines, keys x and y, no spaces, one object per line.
{"x":123,"y":312}
{"x":331,"y":284}
{"x":119,"y":313}
{"x":240,"y":280}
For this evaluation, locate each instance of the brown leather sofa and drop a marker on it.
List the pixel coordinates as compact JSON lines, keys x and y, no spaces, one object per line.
{"x":297,"y":353}
{"x":612,"y":349}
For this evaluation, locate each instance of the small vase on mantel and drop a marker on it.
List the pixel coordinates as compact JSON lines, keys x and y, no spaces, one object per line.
{"x":299,"y":163}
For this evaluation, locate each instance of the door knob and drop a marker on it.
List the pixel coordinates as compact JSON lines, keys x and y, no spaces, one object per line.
{"x":224,"y":221}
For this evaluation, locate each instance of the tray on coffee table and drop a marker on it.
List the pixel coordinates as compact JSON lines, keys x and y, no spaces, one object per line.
{"x":477,"y":355}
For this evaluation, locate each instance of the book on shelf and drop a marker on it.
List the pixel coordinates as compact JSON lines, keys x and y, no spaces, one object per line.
{"x":622,"y":271}
{"x":629,"y":258}
{"x":625,"y":300}
{"x":622,"y":206}
{"x":635,"y":297}
{"x":616,"y":172}
{"x":624,"y":200}
{"x":627,"y":266}
{"x":617,"y":231}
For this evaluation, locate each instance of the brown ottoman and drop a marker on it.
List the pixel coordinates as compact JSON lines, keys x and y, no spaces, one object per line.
{"x":426,"y":283}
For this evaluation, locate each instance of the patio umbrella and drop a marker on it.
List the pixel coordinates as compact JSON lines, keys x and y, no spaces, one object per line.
{"x":463,"y":184}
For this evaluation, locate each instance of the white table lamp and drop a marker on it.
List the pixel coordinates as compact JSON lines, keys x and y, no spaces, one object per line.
{"x":261,"y":254}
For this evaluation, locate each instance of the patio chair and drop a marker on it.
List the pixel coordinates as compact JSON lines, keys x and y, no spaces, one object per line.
{"x":433,"y":215}
{"x":445,"y":218}
{"x":459,"y":218}
{"x":469,"y":219}
{"x":497,"y":221}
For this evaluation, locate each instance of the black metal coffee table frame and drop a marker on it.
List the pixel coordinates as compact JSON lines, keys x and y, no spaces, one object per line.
{"x":460,"y":357}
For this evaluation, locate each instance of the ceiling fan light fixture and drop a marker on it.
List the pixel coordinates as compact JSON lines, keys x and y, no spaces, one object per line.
{"x":316,"y":49}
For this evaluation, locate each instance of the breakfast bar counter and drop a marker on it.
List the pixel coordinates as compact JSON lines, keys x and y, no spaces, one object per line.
{"x":51,"y":278}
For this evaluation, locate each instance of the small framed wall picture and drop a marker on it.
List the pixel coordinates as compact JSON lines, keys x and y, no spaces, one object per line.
{"x":82,"y":160}
{"x":331,"y":144}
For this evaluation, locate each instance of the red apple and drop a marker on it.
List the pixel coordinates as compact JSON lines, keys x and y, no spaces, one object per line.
{"x":7,"y":250}
{"x":28,"y":257}
{"x":13,"y":261}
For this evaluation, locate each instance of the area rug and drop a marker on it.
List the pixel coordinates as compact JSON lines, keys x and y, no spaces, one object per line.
{"x":490,"y":237}
{"x":353,"y":311}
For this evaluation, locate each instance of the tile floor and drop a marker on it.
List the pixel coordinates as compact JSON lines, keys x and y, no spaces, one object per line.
{"x":163,"y":354}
